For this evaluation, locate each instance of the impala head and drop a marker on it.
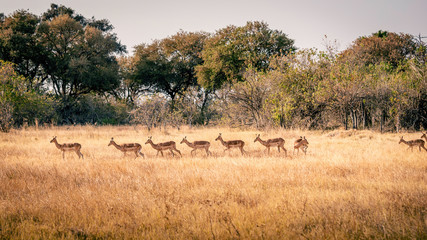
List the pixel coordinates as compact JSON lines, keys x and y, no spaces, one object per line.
{"x":219,"y":137}
{"x":111,"y":142}
{"x":184,"y":139}
{"x":257,"y":138}
{"x":53,"y":139}
{"x":149,"y":140}
{"x":305,"y":140}
{"x":401,"y":140}
{"x":424,"y":136}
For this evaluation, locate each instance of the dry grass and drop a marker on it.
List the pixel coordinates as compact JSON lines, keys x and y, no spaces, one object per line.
{"x":350,"y":185}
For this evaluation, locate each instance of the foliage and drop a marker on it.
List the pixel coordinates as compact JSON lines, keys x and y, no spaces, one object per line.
{"x":388,"y":47}
{"x":232,"y":50}
{"x":150,"y":112}
{"x":17,"y":104}
{"x":69,"y":69}
{"x":167,"y":66}
{"x":80,"y":58}
{"x":19,"y":44}
{"x":93,"y":109}
{"x":70,"y":53}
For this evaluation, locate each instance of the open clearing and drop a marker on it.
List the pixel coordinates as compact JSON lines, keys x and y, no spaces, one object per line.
{"x":350,"y":185}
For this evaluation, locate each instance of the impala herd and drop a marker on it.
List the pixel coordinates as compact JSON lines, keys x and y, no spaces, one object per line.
{"x":300,"y":143}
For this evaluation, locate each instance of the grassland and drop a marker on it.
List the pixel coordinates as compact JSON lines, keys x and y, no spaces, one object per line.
{"x":350,"y":185}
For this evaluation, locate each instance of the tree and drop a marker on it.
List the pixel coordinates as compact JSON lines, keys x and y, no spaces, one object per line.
{"x":388,"y":47}
{"x":19,"y":44}
{"x":16,"y":103}
{"x":129,"y":90}
{"x":80,"y":58}
{"x":250,"y":97}
{"x":297,"y":79}
{"x":167,"y":66}
{"x":232,"y":50}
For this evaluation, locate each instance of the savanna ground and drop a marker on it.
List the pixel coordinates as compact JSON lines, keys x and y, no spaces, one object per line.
{"x":350,"y":185}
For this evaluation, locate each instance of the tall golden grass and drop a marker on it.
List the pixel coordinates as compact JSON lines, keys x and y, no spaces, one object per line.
{"x":350,"y":185}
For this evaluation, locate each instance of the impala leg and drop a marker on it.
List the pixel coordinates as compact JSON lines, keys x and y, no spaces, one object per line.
{"x":192,"y":151}
{"x":172,"y":152}
{"x":284,"y":149}
{"x":142,"y":155}
{"x":78,"y":153}
{"x":278,"y":148}
{"x":242,"y":151}
{"x":63,"y":155}
{"x":179,"y":152}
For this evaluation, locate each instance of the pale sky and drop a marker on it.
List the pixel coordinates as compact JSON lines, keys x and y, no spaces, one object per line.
{"x":305,"y":21}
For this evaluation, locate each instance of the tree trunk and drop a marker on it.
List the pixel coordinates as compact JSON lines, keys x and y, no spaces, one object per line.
{"x":354,"y":118}
{"x":363,"y":115}
{"x":204,"y":107}
{"x":397,"y":122}
{"x":382,"y":121}
{"x":345,"y":120}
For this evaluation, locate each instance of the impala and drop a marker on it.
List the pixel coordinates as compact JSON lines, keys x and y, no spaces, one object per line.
{"x":275,"y":142}
{"x":301,"y":143}
{"x":424,"y":136}
{"x":197,"y":145}
{"x":68,"y":147}
{"x":171,"y":146}
{"x":127,"y":147}
{"x":232,"y":144}
{"x":413,"y":143}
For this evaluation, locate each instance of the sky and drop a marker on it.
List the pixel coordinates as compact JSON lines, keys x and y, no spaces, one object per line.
{"x":307,"y":22}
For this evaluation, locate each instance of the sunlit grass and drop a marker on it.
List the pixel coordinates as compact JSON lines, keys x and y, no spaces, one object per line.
{"x":349,"y":185}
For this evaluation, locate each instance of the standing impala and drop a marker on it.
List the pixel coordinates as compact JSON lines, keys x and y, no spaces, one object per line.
{"x":198,"y":145}
{"x":301,"y":143}
{"x":128,"y":147}
{"x":275,"y":142}
{"x":68,"y":147}
{"x":232,"y":144}
{"x":160,"y":147}
{"x":412,"y":143}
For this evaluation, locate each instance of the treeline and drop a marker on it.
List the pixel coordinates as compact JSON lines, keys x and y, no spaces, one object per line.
{"x":63,"y":68}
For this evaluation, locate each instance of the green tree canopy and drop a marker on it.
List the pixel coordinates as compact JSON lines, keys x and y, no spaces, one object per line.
{"x":18,"y":44}
{"x":70,"y":53}
{"x":167,"y":66}
{"x":233,"y":49}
